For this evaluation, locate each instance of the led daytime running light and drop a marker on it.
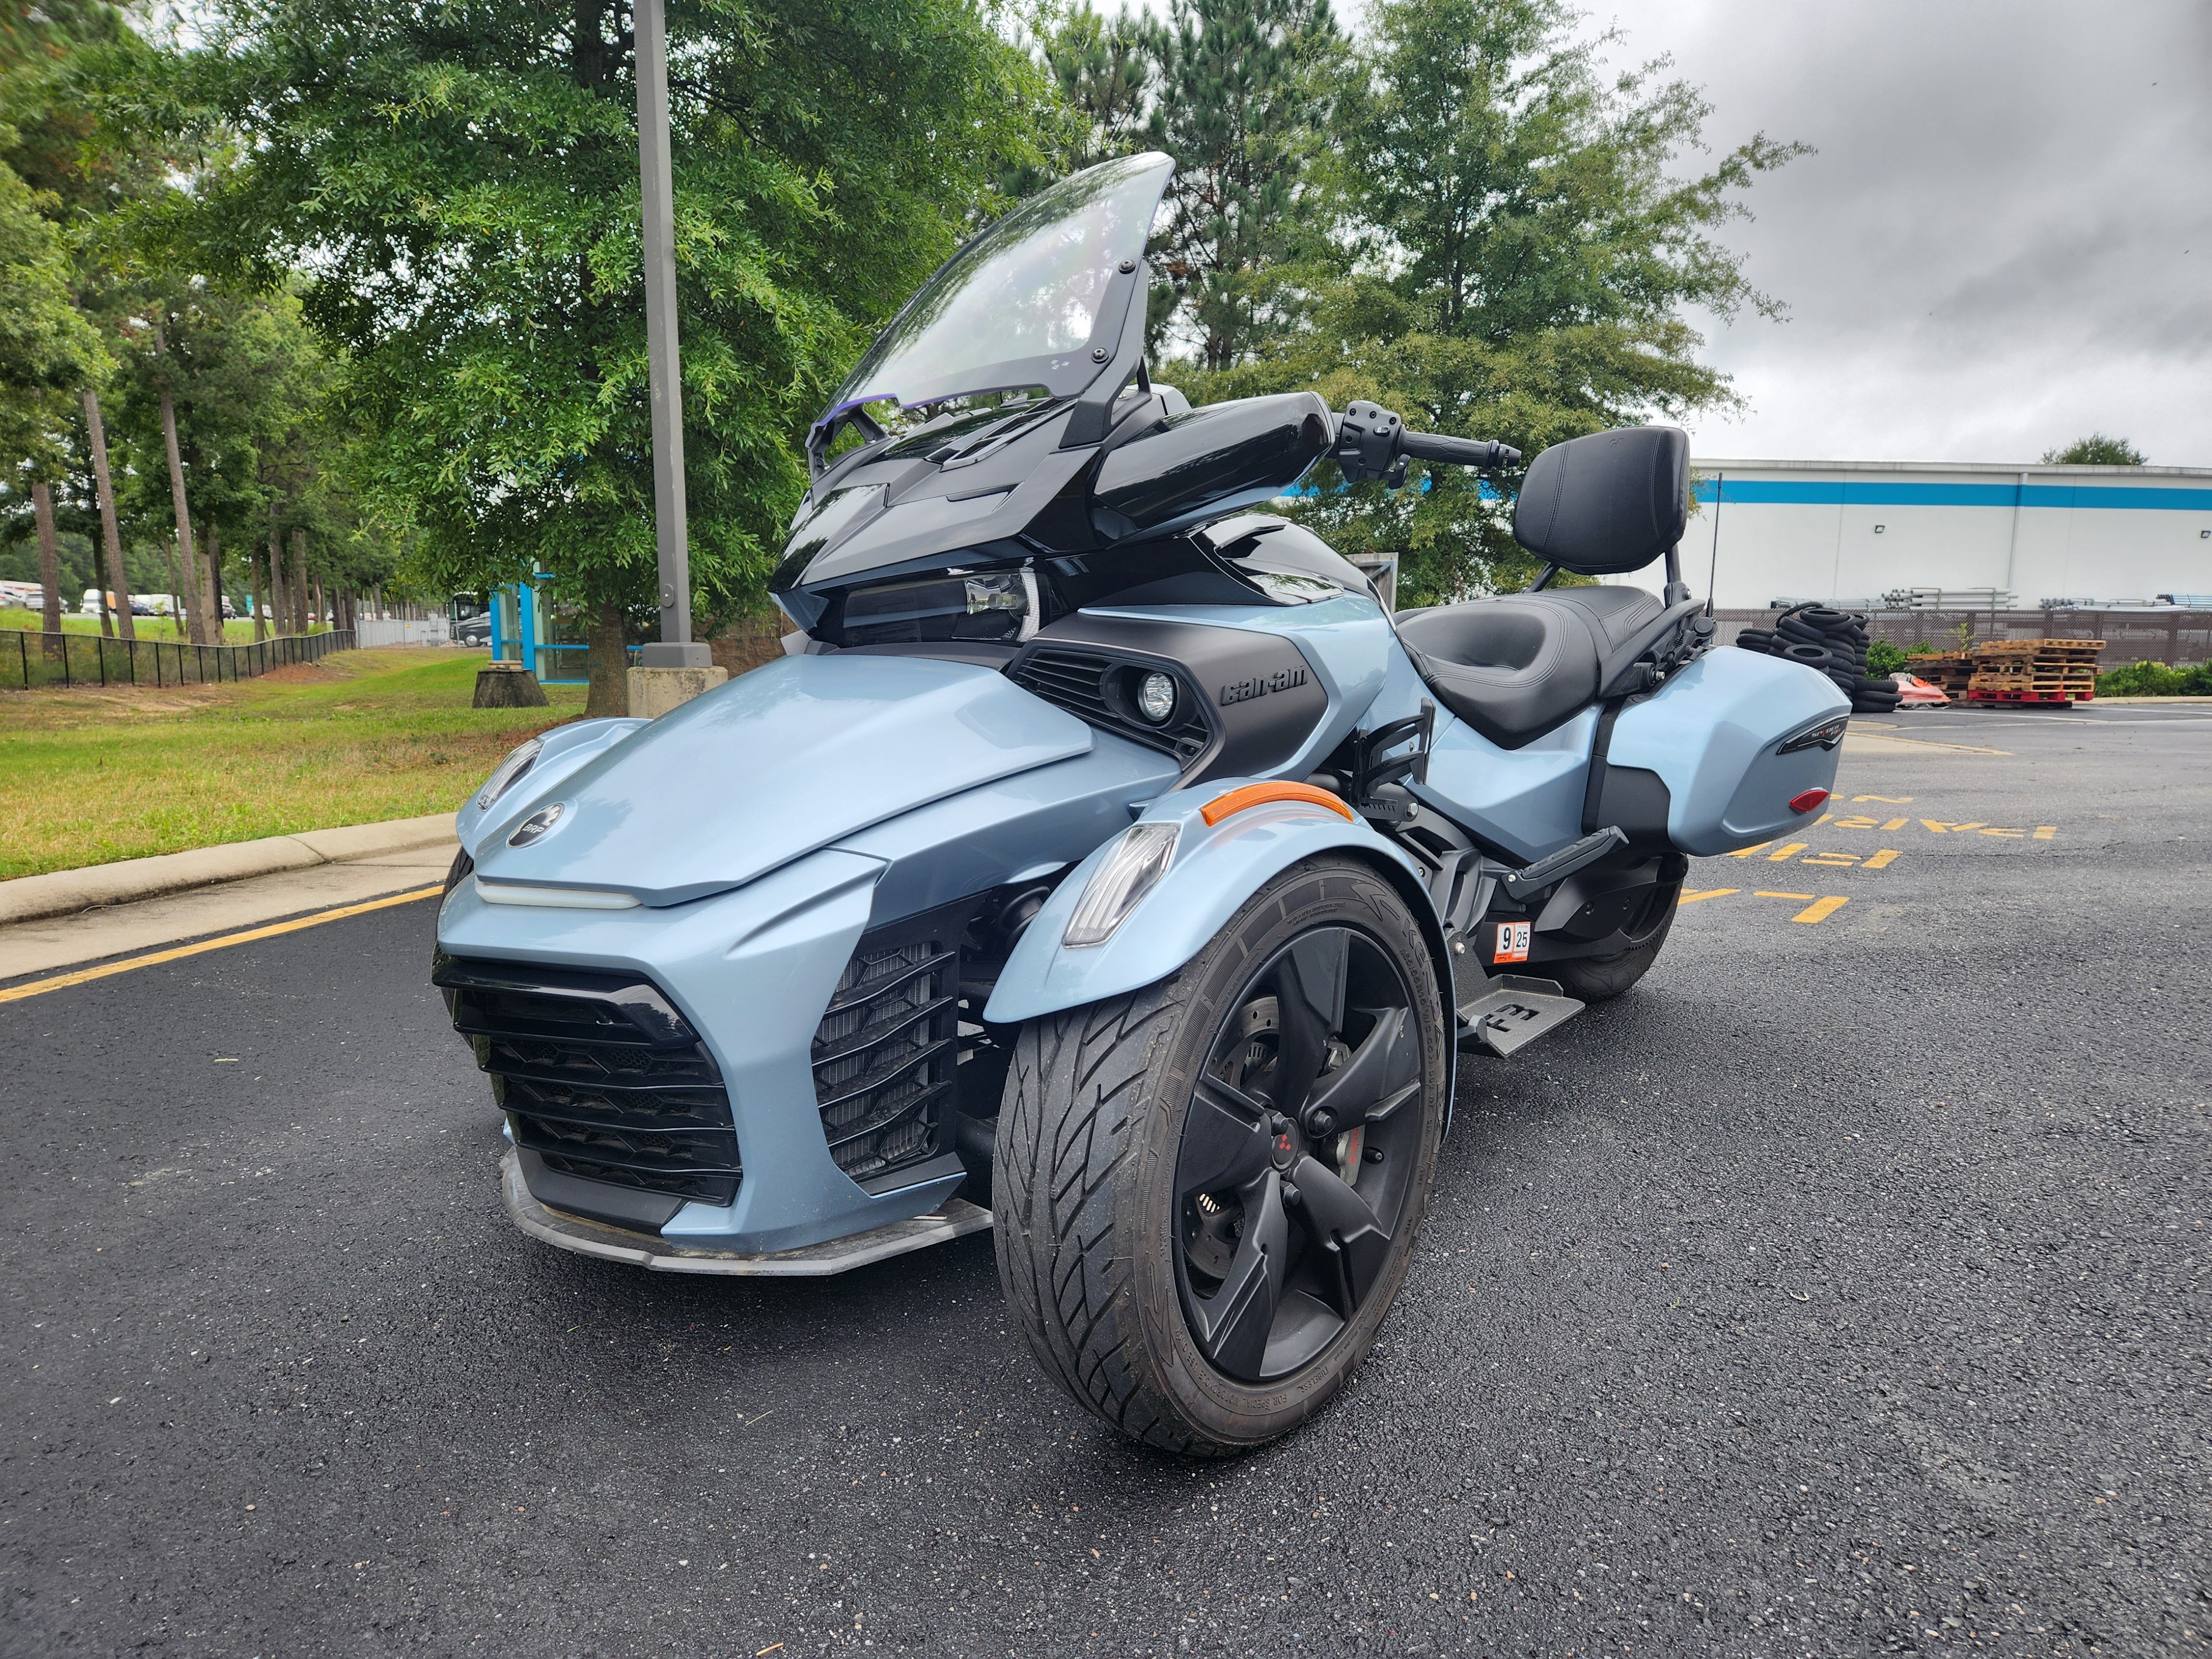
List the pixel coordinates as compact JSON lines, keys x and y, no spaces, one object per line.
{"x":518,"y":761}
{"x":1132,"y":870}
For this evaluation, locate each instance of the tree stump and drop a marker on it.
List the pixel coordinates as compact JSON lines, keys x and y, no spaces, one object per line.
{"x":509,"y":685}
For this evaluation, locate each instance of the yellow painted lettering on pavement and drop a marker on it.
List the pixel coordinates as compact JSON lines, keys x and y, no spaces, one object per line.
{"x":1784,"y":855}
{"x":1897,"y":824}
{"x":1881,"y":860}
{"x":2046,"y":831}
{"x":2009,"y":835}
{"x":1820,"y":909}
{"x":1710,"y":892}
{"x":1800,"y":898}
{"x":1893,"y":800}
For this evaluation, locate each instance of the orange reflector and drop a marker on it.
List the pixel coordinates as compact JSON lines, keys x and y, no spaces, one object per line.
{"x":1265,"y":794}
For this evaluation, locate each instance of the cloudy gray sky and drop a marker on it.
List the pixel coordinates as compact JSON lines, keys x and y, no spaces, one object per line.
{"x":2005,"y":240}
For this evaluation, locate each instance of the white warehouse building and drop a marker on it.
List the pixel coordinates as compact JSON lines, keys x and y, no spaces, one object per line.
{"x":1847,"y":532}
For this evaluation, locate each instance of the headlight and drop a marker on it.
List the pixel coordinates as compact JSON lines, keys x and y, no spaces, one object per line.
{"x":518,"y":761}
{"x":1155,"y":696}
{"x":1132,"y":870}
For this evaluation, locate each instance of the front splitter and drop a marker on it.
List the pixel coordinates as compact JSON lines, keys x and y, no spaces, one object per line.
{"x":952,"y":1219}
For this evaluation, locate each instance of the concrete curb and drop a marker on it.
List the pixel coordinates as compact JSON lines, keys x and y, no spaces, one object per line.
{"x":63,"y":892}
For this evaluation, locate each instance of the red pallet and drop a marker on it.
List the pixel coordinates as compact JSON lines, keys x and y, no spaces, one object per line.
{"x":2060,"y":697}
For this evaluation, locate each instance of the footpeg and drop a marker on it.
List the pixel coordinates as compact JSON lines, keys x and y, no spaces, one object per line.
{"x":1525,"y":884}
{"x":1515,"y":1012}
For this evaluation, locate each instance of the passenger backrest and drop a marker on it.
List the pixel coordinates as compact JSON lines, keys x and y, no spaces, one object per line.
{"x":1609,"y":503}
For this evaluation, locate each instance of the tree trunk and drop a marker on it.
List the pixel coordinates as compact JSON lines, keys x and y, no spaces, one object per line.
{"x":260,"y":594}
{"x":276,"y":577}
{"x":299,"y":585}
{"x":322,"y":603}
{"x":196,"y":621}
{"x":607,"y":658}
{"x":211,"y":585}
{"x":49,"y":561}
{"x":176,"y":597}
{"x":118,"y":579}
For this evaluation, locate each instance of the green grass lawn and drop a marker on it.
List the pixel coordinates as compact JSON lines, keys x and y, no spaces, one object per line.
{"x":236,"y":631}
{"x":91,"y":776}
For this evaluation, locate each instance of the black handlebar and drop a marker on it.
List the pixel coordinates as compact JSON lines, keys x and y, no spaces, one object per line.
{"x":1372,"y":442}
{"x":1457,"y":452}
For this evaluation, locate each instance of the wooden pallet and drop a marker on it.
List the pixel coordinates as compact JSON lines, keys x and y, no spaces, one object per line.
{"x":1989,"y":648}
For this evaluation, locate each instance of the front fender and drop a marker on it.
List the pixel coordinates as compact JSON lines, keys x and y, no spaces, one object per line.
{"x":1214,"y":870}
{"x":566,"y":750}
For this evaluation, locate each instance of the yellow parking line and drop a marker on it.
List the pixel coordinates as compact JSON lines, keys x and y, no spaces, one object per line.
{"x":1882,"y":860}
{"x":1806,"y":897}
{"x":1783,"y":855}
{"x":1710,"y":892}
{"x":1820,"y":911}
{"x":60,"y":982}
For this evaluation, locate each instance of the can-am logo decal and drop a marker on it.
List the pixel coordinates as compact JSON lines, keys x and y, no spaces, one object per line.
{"x":1260,"y":684}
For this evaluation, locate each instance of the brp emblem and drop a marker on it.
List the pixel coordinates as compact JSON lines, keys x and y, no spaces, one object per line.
{"x":537,"y":825}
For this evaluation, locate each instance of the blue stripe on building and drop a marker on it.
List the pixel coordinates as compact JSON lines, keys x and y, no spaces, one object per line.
{"x":2097,"y":497}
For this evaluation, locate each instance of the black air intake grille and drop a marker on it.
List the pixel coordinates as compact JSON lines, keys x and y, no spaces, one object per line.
{"x":1090,"y":686}
{"x":598,"y":1075}
{"x":885,"y":1050}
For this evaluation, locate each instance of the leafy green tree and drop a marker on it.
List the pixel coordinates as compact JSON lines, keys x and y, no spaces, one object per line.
{"x":460,"y":185}
{"x":2095,"y":449}
{"x":1516,"y":253}
{"x":58,"y":60}
{"x":47,"y":349}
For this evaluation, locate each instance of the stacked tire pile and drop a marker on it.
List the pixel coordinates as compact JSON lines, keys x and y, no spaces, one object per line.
{"x":1834,"y":642}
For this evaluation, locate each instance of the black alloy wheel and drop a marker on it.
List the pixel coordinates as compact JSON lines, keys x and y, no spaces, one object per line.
{"x":1206,"y":1192}
{"x":1290,"y":1177}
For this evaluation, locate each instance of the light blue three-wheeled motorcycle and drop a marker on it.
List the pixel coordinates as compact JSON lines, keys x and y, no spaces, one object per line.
{"x":1103,"y":862}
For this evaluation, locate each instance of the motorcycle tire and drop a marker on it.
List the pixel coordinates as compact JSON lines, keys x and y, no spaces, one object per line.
{"x":1147,"y":1184}
{"x":1600,"y":979}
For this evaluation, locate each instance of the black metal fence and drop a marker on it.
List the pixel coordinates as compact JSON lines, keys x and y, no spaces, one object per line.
{"x":29,"y":661}
{"x":2172,"y":635}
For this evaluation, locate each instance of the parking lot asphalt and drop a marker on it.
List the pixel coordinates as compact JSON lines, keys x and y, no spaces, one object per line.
{"x":1841,"y":1289}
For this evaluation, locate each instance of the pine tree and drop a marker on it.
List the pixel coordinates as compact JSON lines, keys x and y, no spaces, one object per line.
{"x":1241,"y":91}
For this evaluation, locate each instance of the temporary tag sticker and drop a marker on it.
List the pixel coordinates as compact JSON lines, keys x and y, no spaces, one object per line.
{"x":1512,"y":942}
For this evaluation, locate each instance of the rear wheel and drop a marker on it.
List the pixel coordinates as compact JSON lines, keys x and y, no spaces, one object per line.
{"x":1596,"y":979}
{"x":1207,"y":1191}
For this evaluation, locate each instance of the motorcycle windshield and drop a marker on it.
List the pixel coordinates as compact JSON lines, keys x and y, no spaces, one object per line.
{"x":1025,"y":303}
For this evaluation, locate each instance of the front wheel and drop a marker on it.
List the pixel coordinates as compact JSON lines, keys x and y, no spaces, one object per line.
{"x":1207,"y":1191}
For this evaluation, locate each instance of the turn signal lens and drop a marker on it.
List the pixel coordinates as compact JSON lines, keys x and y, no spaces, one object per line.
{"x":1267,"y":794}
{"x":518,"y":761}
{"x":1809,"y":801}
{"x":1132,"y":870}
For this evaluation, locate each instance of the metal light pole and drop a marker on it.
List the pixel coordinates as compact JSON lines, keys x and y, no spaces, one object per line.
{"x":656,"y":191}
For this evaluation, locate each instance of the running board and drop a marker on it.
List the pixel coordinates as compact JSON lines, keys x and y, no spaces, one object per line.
{"x":1515,"y":1012}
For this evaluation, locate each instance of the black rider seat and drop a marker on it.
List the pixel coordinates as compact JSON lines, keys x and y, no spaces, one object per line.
{"x":1515,"y":667}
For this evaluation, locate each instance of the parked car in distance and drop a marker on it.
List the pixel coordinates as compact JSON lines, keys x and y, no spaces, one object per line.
{"x":473,"y":630}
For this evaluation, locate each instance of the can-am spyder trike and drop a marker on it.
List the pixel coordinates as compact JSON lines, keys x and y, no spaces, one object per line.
{"x":1103,"y":862}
